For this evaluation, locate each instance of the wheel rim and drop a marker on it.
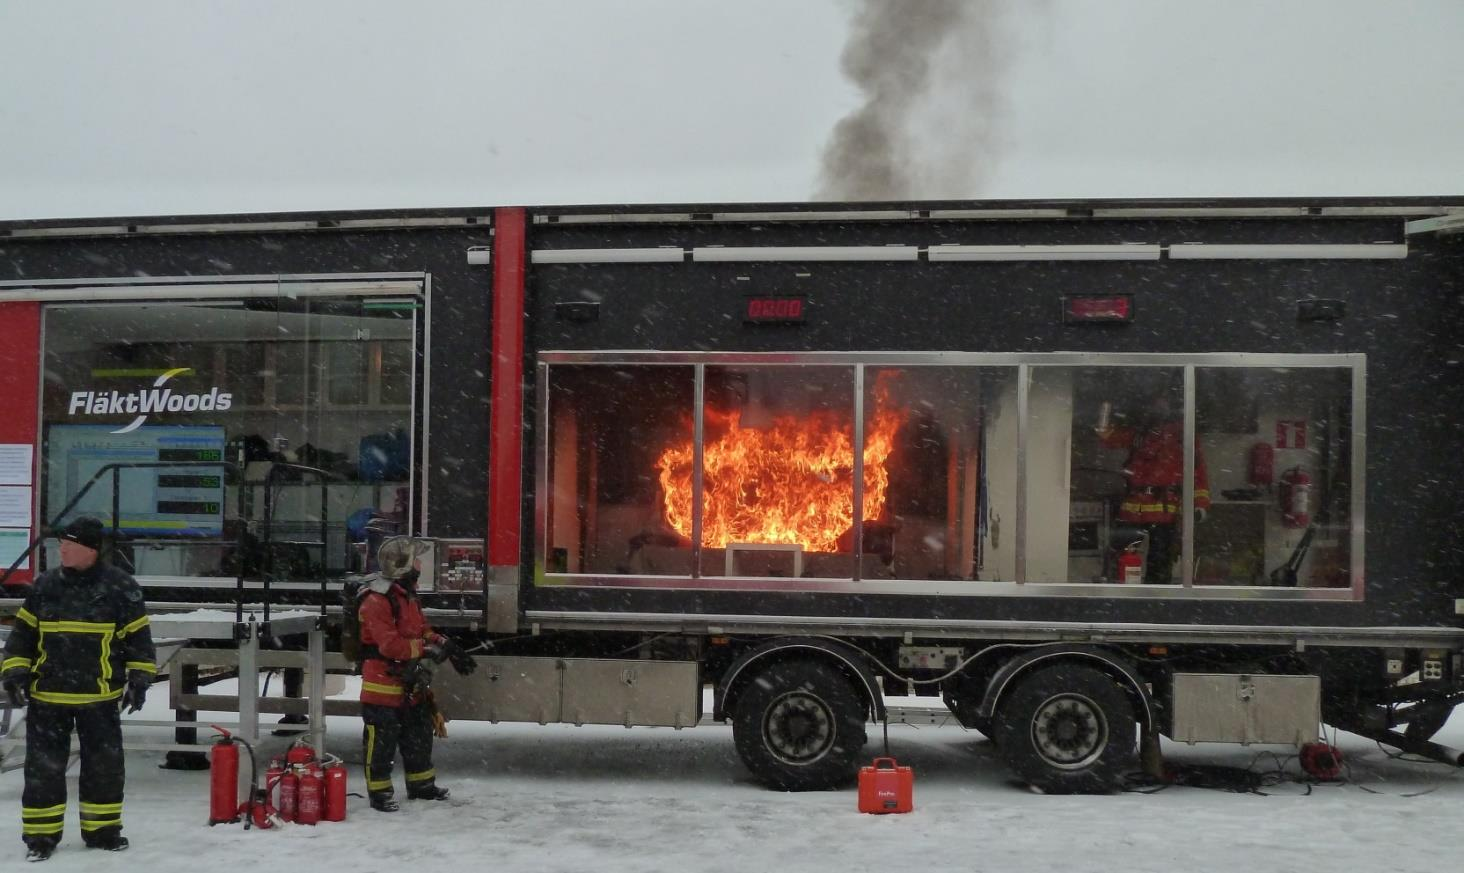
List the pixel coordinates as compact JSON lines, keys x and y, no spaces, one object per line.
{"x":799,"y":728}
{"x":1069,"y":731}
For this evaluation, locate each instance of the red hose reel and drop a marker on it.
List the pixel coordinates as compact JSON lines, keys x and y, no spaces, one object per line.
{"x":1321,"y":761}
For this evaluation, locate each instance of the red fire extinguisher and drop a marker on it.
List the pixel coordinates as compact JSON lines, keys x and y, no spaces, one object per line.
{"x":289,"y":802}
{"x":223,"y":779}
{"x":297,"y":758}
{"x":274,"y":779}
{"x":335,"y":790}
{"x":1295,"y":494}
{"x":311,"y":796}
{"x":1131,"y":565}
{"x":299,"y":754}
{"x":1262,"y":465}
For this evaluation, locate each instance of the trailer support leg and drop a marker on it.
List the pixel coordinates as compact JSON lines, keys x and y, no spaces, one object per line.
{"x":316,"y":670}
{"x":186,"y":683}
{"x":1151,"y":756}
{"x":1410,"y":745}
{"x":294,"y":682}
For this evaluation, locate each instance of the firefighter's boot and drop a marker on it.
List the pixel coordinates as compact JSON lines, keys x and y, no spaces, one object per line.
{"x":39,"y":850}
{"x":382,"y":802}
{"x":109,"y":843}
{"x":428,"y":792}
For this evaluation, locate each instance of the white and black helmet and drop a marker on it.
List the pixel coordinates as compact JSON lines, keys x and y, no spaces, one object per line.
{"x":394,"y":558}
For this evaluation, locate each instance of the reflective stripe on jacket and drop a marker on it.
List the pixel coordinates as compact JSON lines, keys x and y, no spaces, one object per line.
{"x":79,"y":633}
{"x":391,"y":640}
{"x":1155,"y":471}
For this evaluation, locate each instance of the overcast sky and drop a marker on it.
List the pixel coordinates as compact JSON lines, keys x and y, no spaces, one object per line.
{"x":184,"y":106}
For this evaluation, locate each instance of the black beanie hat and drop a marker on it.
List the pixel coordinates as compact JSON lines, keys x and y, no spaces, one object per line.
{"x":84,"y":531}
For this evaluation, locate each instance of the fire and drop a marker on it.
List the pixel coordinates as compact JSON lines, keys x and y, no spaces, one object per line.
{"x":790,"y":482}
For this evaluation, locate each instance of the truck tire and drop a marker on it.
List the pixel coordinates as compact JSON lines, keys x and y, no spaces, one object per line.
{"x":1067,"y":729}
{"x":799,"y":726}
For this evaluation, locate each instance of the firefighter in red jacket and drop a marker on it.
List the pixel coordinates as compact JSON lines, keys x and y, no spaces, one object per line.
{"x":397,"y":648}
{"x":1155,"y":474}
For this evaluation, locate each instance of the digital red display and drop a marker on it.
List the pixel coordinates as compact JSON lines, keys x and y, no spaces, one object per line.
{"x":775,"y":310}
{"x":1108,"y":308}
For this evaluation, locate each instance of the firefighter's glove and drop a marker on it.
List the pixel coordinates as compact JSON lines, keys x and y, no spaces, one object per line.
{"x":1200,"y":515}
{"x":436,"y":651}
{"x":135,"y":694}
{"x":462,"y":662}
{"x":16,"y":681}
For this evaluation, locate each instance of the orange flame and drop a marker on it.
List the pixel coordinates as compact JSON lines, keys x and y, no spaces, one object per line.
{"x":790,"y":482}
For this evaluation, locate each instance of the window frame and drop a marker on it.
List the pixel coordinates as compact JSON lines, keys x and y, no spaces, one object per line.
{"x":1024,"y":364}
{"x":184,"y":290}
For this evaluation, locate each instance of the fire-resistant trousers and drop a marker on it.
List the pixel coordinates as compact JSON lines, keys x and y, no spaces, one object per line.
{"x":409,"y":726}
{"x":1162,"y":541}
{"x":48,"y":729}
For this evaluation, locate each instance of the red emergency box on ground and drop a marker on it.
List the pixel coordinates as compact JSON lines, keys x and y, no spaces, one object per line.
{"x":885,"y":786}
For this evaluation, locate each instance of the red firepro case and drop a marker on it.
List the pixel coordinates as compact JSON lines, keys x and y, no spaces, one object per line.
{"x":885,"y":786}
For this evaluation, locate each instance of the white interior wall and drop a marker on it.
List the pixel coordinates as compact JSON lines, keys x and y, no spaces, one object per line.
{"x":999,"y":557}
{"x":1049,"y":467}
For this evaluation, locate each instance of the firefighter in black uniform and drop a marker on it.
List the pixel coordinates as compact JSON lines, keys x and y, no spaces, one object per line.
{"x":80,"y":645}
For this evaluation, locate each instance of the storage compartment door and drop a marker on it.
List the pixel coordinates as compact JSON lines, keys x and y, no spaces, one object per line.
{"x":1240,"y":708}
{"x":630,"y":692}
{"x":502,"y":689}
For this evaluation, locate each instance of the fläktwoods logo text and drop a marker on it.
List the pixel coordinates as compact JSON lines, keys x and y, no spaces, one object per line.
{"x":147,"y":401}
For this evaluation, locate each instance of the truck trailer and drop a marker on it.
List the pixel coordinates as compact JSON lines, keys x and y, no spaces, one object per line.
{"x":1090,"y":472}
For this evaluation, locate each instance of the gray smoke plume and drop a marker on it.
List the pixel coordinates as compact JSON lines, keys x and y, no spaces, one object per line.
{"x":928,"y":71}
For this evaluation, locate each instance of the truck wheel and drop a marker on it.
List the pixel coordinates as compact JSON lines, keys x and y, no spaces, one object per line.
{"x":1067,"y":729}
{"x":799,"y":726}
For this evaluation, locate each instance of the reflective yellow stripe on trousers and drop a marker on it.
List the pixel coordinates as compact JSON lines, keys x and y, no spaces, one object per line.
{"x":373,"y":784}
{"x":95,"y":816}
{"x":42,"y":820}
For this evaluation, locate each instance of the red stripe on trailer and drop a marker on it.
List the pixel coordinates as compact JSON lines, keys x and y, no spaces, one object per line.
{"x":20,"y":381}
{"x":505,"y":417}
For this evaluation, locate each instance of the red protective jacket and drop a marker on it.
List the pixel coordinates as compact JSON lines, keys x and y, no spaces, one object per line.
{"x":1155,"y":471}
{"x":389,"y":637}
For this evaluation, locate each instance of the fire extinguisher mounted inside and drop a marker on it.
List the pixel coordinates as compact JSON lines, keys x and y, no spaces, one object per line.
{"x":805,"y":454}
{"x":1295,"y":496}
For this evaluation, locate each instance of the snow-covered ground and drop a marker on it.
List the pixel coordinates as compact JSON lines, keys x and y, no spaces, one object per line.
{"x":605,"y":799}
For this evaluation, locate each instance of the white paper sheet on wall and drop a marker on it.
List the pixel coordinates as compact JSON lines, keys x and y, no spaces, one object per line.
{"x":15,"y":463}
{"x":15,"y":506}
{"x":12,"y":543}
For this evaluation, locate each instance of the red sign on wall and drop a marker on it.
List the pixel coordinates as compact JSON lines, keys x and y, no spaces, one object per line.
{"x":774,"y":310}
{"x":1290,"y":433}
{"x":20,"y":365}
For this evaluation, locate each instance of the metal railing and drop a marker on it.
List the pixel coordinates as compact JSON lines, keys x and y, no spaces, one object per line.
{"x":265,"y":542}
{"x":116,"y":470}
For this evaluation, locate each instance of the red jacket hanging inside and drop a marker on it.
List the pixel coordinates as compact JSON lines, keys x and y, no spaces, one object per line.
{"x":1155,"y":472}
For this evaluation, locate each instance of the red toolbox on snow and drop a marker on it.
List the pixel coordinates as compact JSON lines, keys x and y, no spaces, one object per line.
{"x":885,"y":786}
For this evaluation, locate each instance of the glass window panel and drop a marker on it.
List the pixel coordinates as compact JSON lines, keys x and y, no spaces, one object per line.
{"x":396,"y":372}
{"x":1278,"y":445}
{"x":779,"y":471}
{"x":226,"y":365}
{"x":348,"y":367}
{"x":325,"y":418}
{"x":1105,"y":473}
{"x":940,"y":456}
{"x":607,"y":511}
